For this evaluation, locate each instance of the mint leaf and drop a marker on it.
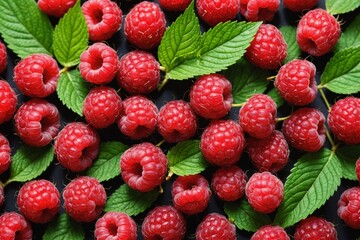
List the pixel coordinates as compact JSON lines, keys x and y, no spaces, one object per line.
{"x":70,"y":37}
{"x":107,"y":164}
{"x":275,"y":95}
{"x":314,"y":178}
{"x":64,"y":228}
{"x":130,"y":201}
{"x":341,"y":6}
{"x":350,"y":37}
{"x":347,"y":156}
{"x":72,"y":90}
{"x":25,"y":28}
{"x":293,"y":49}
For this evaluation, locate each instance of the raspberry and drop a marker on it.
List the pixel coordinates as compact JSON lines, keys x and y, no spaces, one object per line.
{"x":211,"y":97}
{"x":349,"y":207}
{"x":264,"y":191}
{"x":55,"y":8}
{"x":268,"y":49}
{"x":99,"y":64}
{"x":228,"y":183}
{"x":191,"y":194}
{"x":259,"y":10}
{"x":2,"y":195}
{"x":268,"y":232}
{"x":314,"y":228}
{"x":14,"y":226}
{"x":102,"y":107}
{"x":8,"y":101}
{"x":76,"y":146}
{"x":214,"y":12}
{"x":215,"y":226}
{"x":176,"y":121}
{"x":357,"y":169}
{"x":3,"y":57}
{"x":37,"y":122}
{"x":143,"y":166}
{"x":298,"y":6}
{"x":344,"y":120}
{"x":5,"y":154}
{"x":145,"y":25}
{"x":177,"y":5}
{"x":258,"y":116}
{"x":84,"y":199}
{"x":115,"y":225}
{"x":317,"y":32}
{"x":222,"y":142}
{"x":139,"y":72}
{"x":270,"y":154}
{"x":139,"y":117}
{"x":39,"y":201}
{"x":305,"y":129}
{"x":103,"y":19}
{"x":164,"y":222}
{"x":296,"y":83}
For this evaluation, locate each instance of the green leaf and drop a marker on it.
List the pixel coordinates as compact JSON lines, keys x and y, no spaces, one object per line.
{"x":350,"y":37}
{"x":314,"y":178}
{"x":275,"y":95}
{"x":107,"y":164}
{"x":347,"y":156}
{"x":70,"y":37}
{"x":64,"y":228}
{"x":25,"y":28}
{"x":341,"y":6}
{"x":130,"y":201}
{"x":293,"y":49}
{"x":244,"y":216}
{"x":220,"y":47}
{"x":72,"y":90}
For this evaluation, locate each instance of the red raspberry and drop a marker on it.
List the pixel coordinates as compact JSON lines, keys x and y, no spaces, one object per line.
{"x":145,"y":25}
{"x":215,"y":226}
{"x":2,"y":196}
{"x":298,"y":6}
{"x":176,"y":121}
{"x":115,"y":225}
{"x":357,"y":169}
{"x":214,"y":12}
{"x":55,"y":8}
{"x":164,"y":222}
{"x":99,"y":64}
{"x":84,"y":199}
{"x":139,"y":117}
{"x":268,"y":49}
{"x":259,"y":10}
{"x":349,"y":207}
{"x":102,"y":107}
{"x":222,"y":142}
{"x":14,"y":226}
{"x":8,"y":101}
{"x":296,"y":83}
{"x":264,"y":191}
{"x":270,"y":154}
{"x":76,"y":146}
{"x":39,"y":201}
{"x":5,"y":154}
{"x":305,"y":129}
{"x":344,"y":120}
{"x":270,"y":233}
{"x":103,"y":19}
{"x":139,"y":72}
{"x":314,"y":228}
{"x":3,"y":57}
{"x":317,"y":32}
{"x":37,"y":122}
{"x":143,"y":166}
{"x":211,"y":97}
{"x":175,"y":5}
{"x":228,"y":183}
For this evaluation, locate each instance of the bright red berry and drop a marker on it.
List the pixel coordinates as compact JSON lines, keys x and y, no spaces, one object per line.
{"x":115,"y":225}
{"x":269,"y":232}
{"x":298,"y":6}
{"x":8,"y":101}
{"x":315,"y":228}
{"x":55,"y":8}
{"x":215,"y":226}
{"x":349,"y":207}
{"x":14,"y":226}
{"x":259,"y":10}
{"x":174,"y":5}
{"x":357,"y":169}
{"x":5,"y":154}
{"x":3,"y":57}
{"x":214,"y":12}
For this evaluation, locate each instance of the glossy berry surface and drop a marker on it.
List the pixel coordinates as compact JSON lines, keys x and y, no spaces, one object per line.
{"x":215,"y":226}
{"x":259,"y":10}
{"x":298,"y":6}
{"x":14,"y":226}
{"x":3,"y":57}
{"x":349,"y":207}
{"x":269,"y":232}
{"x":5,"y":154}
{"x":314,"y":228}
{"x":8,"y":101}
{"x":55,"y":8}
{"x":214,"y":12}
{"x":115,"y":225}
{"x":174,"y":5}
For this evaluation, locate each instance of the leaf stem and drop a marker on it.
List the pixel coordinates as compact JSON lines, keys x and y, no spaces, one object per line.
{"x":282,"y":118}
{"x":163,"y":83}
{"x":162,"y":69}
{"x":325,"y":99}
{"x":237,"y":104}
{"x":271,"y":78}
{"x":170,"y":174}
{"x":64,"y":70}
{"x":2,"y":184}
{"x":329,"y":137}
{"x":160,"y":143}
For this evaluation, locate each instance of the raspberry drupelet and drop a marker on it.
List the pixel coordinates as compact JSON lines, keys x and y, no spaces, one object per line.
{"x":349,"y":207}
{"x":14,"y":226}
{"x":215,"y":226}
{"x":115,"y":225}
{"x":8,"y":102}
{"x":174,"y":5}
{"x":213,"y":12}
{"x":3,"y":57}
{"x":269,"y":232}
{"x":5,"y":154}
{"x":259,"y":10}
{"x":56,"y":8}
{"x":298,"y":6}
{"x":314,"y":228}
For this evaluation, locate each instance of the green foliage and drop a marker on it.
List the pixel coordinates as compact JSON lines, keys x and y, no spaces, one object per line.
{"x":64,"y":228}
{"x":293,"y":49}
{"x":347,"y":156}
{"x":350,"y":37}
{"x":341,"y":6}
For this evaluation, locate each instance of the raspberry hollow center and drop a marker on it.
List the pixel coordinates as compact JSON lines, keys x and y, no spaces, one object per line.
{"x":97,"y":16}
{"x":47,"y":76}
{"x":112,"y":229}
{"x":96,"y":62}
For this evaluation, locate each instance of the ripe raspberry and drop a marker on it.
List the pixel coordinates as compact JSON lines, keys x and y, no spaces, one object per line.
{"x":115,"y":225}
{"x":99,"y":64}
{"x":298,"y":6}
{"x":211,"y":97}
{"x":145,"y":25}
{"x":143,"y":166}
{"x":314,"y":228}
{"x":222,"y":142}
{"x":176,"y":121}
{"x":305,"y":129}
{"x":270,"y":154}
{"x":3,"y":57}
{"x":8,"y":101}
{"x":214,"y":12}
{"x":174,"y":5}
{"x":228,"y":183}
{"x":14,"y":226}
{"x":55,"y":8}
{"x":76,"y":146}
{"x":138,"y":118}
{"x":84,"y":199}
{"x":264,"y":191}
{"x":259,"y":10}
{"x":344,"y":120}
{"x":349,"y":207}
{"x":268,"y":49}
{"x":164,"y":222}
{"x":5,"y":154}
{"x":139,"y":72}
{"x":39,"y":201}
{"x":37,"y":122}
{"x":296,"y":83}
{"x":2,"y":195}
{"x":317,"y":32}
{"x":270,"y":233}
{"x":215,"y":226}
{"x":103,"y":19}
{"x":357,"y":169}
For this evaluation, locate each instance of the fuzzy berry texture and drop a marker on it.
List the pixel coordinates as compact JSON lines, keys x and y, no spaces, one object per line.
{"x":39,"y":201}
{"x":357,"y":169}
{"x":215,"y":226}
{"x":315,"y":228}
{"x":115,"y":225}
{"x":298,"y":6}
{"x":143,"y":166}
{"x":214,"y":12}
{"x":305,"y":129}
{"x":164,"y":222}
{"x":84,"y":199}
{"x":56,"y":8}
{"x":5,"y":154}
{"x":145,"y":25}
{"x":210,"y":96}
{"x":349,"y":207}
{"x":174,"y":5}
{"x":13,"y":226}
{"x":3,"y":57}
{"x":259,"y":10}
{"x":269,"y":232}
{"x":8,"y":102}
